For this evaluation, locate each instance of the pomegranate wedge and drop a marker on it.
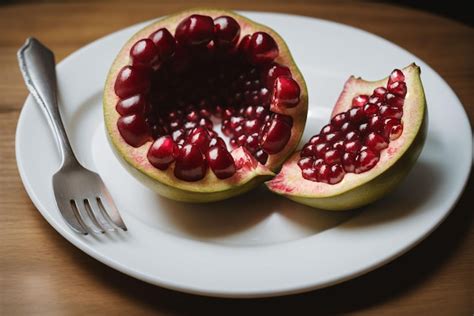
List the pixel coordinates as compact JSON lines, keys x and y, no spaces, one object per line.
{"x":376,"y":133}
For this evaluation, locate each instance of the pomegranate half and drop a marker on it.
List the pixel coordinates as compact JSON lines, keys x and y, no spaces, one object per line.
{"x":204,"y":105}
{"x":376,"y":133}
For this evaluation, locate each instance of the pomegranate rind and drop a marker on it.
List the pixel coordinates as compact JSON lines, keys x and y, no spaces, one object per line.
{"x":357,"y":190}
{"x":210,"y":188}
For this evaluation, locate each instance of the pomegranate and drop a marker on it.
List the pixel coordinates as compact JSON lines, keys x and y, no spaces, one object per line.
{"x":204,"y":105}
{"x":376,"y":133}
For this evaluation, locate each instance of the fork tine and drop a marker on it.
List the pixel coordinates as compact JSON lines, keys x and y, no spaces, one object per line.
{"x":70,"y":216}
{"x":101,"y":219}
{"x":87,"y":218}
{"x":108,"y":208}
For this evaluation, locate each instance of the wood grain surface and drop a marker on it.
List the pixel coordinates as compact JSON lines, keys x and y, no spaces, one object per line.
{"x":42,"y":273}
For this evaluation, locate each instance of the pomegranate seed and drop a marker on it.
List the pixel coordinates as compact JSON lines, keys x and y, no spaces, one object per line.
{"x":132,"y":80}
{"x":399,"y":88}
{"x":233,"y":143}
{"x":195,"y":30}
{"x":144,"y":52}
{"x":339,"y":145}
{"x":320,"y":150}
{"x":276,"y":137}
{"x":192,"y":116}
{"x":317,"y":139}
{"x":348,"y":162}
{"x":162,"y":152}
{"x":332,"y":137}
{"x":391,"y":111}
{"x":180,"y":60}
{"x":375,"y":100}
{"x":131,"y":105}
{"x":305,"y":162}
{"x":380,"y":92}
{"x":133,"y":129}
{"x":241,"y":139}
{"x":200,"y":137}
{"x":323,"y":173}
{"x":394,"y":100}
{"x":221,"y":162}
{"x":252,"y":126}
{"x":264,"y":96}
{"x":205,"y":122}
{"x":375,"y":142}
{"x":244,"y":45}
{"x":262,"y":48}
{"x":356,"y":115}
{"x":364,"y":129}
{"x":375,"y":123}
{"x":308,"y":150}
{"x":164,"y":42}
{"x":332,"y":156}
{"x":309,"y":174}
{"x":239,"y":130}
{"x":360,"y":100}
{"x":338,"y":120}
{"x":191,"y":165}
{"x":227,"y":31}
{"x":352,"y":135}
{"x":396,"y":76}
{"x":273,"y":72}
{"x":286,"y":92}
{"x":178,"y":135}
{"x":261,"y":156}
{"x":392,"y":128}
{"x":328,"y":128}
{"x":217,"y":141}
{"x":336,"y":174}
{"x":251,"y":142}
{"x":370,"y":109}
{"x":352,"y":146}
{"x":366,"y":160}
{"x":347,"y":127}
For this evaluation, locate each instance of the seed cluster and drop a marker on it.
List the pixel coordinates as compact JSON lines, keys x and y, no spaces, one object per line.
{"x":177,"y":88}
{"x":353,"y":140}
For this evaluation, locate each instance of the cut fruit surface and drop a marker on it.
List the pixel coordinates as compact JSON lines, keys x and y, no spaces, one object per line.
{"x":192,"y":94}
{"x":376,"y":133}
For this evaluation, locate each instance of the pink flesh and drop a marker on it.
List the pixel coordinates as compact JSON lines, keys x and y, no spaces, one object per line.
{"x":182,"y":88}
{"x":353,"y":140}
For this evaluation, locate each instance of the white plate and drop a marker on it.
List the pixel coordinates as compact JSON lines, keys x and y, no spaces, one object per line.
{"x":258,"y":244}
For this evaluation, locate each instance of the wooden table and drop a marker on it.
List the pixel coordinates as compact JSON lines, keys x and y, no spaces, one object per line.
{"x":41,"y":273}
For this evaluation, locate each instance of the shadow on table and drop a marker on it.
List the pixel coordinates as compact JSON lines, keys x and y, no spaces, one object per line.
{"x":382,"y":285}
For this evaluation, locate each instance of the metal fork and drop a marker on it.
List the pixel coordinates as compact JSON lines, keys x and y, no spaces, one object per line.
{"x":81,"y":195}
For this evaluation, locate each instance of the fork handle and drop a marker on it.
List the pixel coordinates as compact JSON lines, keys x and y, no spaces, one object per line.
{"x":38,"y":68}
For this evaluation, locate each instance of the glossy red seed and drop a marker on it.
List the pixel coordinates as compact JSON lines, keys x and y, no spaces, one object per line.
{"x":286,"y":92}
{"x":392,"y":99}
{"x":336,"y":174}
{"x":352,"y":146}
{"x":261,"y":156}
{"x":375,"y":142}
{"x":162,"y":152}
{"x":178,"y":135}
{"x":348,"y":162}
{"x":375,"y":123}
{"x":347,"y":127}
{"x":276,"y":137}
{"x":144,"y":52}
{"x":164,"y":42}
{"x":244,"y":45}
{"x":132,"y":80}
{"x":375,"y":100}
{"x":226,"y":31}
{"x":395,"y":76}
{"x":323,"y":173}
{"x":191,"y":164}
{"x":356,"y":115}
{"x":134,"y":129}
{"x":308,"y":150}
{"x":360,"y":100}
{"x":338,"y":145}
{"x":217,"y":141}
{"x":370,"y":109}
{"x":262,"y":48}
{"x":251,"y":142}
{"x":391,"y":111}
{"x":363,"y":129}
{"x":305,"y":162}
{"x":352,"y":135}
{"x":309,"y":174}
{"x":392,"y":128}
{"x":200,"y":138}
{"x":320,"y":150}
{"x":398,"y":88}
{"x":332,"y":156}
{"x":366,"y":160}
{"x":380,"y":92}
{"x":195,"y":30}
{"x":131,"y":105}
{"x":332,"y":137}
{"x":328,"y":128}
{"x":273,"y":72}
{"x":221,"y":162}
{"x":252,"y":126}
{"x":338,"y":120}
{"x":315,"y":139}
